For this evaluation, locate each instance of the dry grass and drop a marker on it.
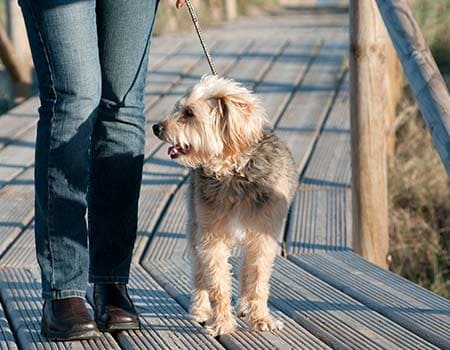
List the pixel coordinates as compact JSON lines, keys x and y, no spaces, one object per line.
{"x":419,"y":191}
{"x":419,"y":205}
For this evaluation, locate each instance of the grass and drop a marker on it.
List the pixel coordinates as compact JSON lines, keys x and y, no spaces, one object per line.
{"x":434,"y":18}
{"x":419,"y":192}
{"x":419,"y":197}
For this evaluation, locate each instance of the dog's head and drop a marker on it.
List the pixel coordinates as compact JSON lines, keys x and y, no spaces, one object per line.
{"x":216,"y":120}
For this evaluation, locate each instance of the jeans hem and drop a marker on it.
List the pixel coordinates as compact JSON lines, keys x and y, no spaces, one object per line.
{"x":63,"y":294}
{"x":108,"y":279}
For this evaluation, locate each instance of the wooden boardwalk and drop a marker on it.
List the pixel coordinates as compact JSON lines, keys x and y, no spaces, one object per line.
{"x":327,"y":296}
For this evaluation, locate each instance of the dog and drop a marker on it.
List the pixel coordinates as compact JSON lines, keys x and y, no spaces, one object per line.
{"x":243,"y":179}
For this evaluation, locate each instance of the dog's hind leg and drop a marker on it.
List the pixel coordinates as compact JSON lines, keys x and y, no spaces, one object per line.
{"x":260,"y":251}
{"x":213,"y":255}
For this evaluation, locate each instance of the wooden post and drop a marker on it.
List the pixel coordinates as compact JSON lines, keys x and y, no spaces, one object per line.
{"x":19,"y":73}
{"x":22,"y":56}
{"x":368,"y":108}
{"x":422,"y":72}
{"x":17,"y":31}
{"x":230,"y":8}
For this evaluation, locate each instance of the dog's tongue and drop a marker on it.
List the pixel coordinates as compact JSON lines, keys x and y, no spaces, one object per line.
{"x":174,"y":151}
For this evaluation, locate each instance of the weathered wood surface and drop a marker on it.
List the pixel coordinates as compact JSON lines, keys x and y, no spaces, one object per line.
{"x":16,"y":208}
{"x":320,"y":220}
{"x":320,"y":217}
{"x":368,"y":93}
{"x":296,"y":63}
{"x":409,"y":305}
{"x":422,"y":72}
{"x":7,"y":341}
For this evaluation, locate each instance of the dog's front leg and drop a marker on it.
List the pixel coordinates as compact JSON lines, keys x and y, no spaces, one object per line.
{"x":200,"y":305}
{"x":213,"y":255}
{"x":260,"y":251}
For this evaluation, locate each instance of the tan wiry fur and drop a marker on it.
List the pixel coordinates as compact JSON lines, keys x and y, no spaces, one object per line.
{"x":242,"y":182}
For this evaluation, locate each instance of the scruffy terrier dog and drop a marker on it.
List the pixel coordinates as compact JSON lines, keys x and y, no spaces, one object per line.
{"x":242,"y":183}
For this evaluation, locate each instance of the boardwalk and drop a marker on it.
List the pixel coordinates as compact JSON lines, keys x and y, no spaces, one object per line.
{"x":326,"y":295}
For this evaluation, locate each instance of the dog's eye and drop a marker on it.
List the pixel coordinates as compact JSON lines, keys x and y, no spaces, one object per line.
{"x":187,"y":113}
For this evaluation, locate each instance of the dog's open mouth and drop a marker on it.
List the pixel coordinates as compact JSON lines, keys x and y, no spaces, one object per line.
{"x":175,"y":151}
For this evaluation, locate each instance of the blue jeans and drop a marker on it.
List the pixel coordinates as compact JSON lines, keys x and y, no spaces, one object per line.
{"x":91,"y":60}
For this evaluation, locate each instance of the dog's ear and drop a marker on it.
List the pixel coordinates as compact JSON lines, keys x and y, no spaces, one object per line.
{"x":240,"y":125}
{"x":235,"y":106}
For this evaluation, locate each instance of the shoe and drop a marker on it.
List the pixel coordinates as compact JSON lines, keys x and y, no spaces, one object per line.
{"x":67,"y":319}
{"x":114,"y":310}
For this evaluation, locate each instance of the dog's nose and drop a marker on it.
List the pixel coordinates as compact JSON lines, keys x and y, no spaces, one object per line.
{"x":157,"y":129}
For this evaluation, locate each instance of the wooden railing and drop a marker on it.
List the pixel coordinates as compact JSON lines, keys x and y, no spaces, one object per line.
{"x":369,"y":93}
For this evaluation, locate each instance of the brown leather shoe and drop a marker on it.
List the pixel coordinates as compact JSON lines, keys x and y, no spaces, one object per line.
{"x":114,"y":309}
{"x":67,"y":319}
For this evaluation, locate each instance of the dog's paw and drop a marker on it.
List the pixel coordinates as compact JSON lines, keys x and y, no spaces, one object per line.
{"x":242,"y":308}
{"x":221,"y":326}
{"x":265,"y":324}
{"x":200,"y":315}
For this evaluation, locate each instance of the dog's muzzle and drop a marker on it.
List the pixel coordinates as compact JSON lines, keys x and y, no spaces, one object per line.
{"x":158,"y":130}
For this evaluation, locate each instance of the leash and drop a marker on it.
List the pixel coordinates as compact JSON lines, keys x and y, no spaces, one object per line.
{"x":200,"y":36}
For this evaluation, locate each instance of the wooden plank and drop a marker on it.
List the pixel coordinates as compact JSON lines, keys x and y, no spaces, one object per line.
{"x":17,"y":156}
{"x":169,"y":239}
{"x":21,"y":253}
{"x":320,"y":220}
{"x":300,"y":123}
{"x":394,"y":280}
{"x":162,"y":49}
{"x":20,"y":294}
{"x":160,"y":179}
{"x":421,"y":69}
{"x":284,"y":77}
{"x":330,"y":161}
{"x":300,"y":25}
{"x":174,"y":276}
{"x":7,"y":341}
{"x":336,"y":318}
{"x":16,"y":208}
{"x":416,"y":309}
{"x":255,"y":64}
{"x":160,"y":81}
{"x":17,"y":120}
{"x":165,"y":325}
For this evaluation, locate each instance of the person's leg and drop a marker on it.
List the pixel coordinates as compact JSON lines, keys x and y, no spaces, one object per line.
{"x":117,"y":149}
{"x":63,"y":39}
